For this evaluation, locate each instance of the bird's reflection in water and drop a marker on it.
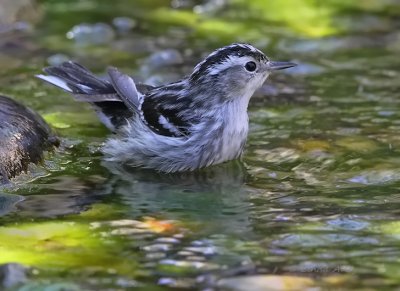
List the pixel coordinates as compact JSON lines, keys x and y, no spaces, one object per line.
{"x":63,"y":195}
{"x":7,"y":202}
{"x":216,"y":196}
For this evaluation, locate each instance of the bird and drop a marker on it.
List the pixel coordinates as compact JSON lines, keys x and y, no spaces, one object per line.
{"x":198,"y":121}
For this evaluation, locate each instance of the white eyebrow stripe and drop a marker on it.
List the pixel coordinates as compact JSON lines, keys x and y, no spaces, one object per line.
{"x":227,"y":63}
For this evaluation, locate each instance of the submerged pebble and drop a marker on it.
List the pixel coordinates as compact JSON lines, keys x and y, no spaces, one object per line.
{"x":207,"y":250}
{"x":57,"y":59}
{"x":266,"y":282}
{"x":19,"y":26}
{"x":176,"y":283}
{"x":189,"y":264}
{"x":123,"y":24}
{"x":12,"y":274}
{"x":182,"y":4}
{"x":161,"y":79}
{"x":168,"y":57}
{"x":156,"y":69}
{"x":305,"y":69}
{"x":210,"y":7}
{"x":87,"y":34}
{"x":157,"y":248}
{"x":8,"y":201}
{"x":376,"y":177}
{"x":168,"y":240}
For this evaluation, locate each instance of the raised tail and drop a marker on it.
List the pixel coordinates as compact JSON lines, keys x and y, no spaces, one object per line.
{"x":87,"y":87}
{"x":80,"y":82}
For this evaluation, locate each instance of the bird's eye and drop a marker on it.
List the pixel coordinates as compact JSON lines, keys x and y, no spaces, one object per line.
{"x":251,"y":66}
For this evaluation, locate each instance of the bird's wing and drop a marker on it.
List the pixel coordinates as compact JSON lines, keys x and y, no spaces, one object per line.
{"x":126,"y":89}
{"x":165,"y":111}
{"x":114,"y":101}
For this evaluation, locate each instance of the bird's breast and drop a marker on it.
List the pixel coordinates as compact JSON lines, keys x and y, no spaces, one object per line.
{"x":234,"y":132}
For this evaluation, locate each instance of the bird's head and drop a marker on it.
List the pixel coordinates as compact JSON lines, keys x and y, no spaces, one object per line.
{"x":235,"y":71}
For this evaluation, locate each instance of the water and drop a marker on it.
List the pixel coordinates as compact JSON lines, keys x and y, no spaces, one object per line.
{"x":314,"y":202}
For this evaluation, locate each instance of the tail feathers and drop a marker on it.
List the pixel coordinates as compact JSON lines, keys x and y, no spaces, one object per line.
{"x":76,"y":79}
{"x":86,"y":87}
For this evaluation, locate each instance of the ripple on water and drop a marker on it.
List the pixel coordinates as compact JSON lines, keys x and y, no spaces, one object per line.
{"x":322,"y":196}
{"x":347,"y":223}
{"x":376,"y":177}
{"x":8,"y":202}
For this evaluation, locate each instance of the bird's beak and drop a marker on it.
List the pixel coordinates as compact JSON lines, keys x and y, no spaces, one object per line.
{"x":274,"y":66}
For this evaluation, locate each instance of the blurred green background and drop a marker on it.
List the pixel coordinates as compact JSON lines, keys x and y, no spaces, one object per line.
{"x":314,"y":204}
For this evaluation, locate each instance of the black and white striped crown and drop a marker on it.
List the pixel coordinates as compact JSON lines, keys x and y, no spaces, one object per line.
{"x":225,"y":54}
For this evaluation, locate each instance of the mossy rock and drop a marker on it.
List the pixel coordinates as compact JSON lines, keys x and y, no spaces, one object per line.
{"x":24,"y":137}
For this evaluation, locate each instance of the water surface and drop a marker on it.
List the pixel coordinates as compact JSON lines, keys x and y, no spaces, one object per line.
{"x":316,"y":195}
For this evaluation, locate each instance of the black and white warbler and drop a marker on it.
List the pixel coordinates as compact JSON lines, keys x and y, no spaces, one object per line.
{"x":196,"y":122}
